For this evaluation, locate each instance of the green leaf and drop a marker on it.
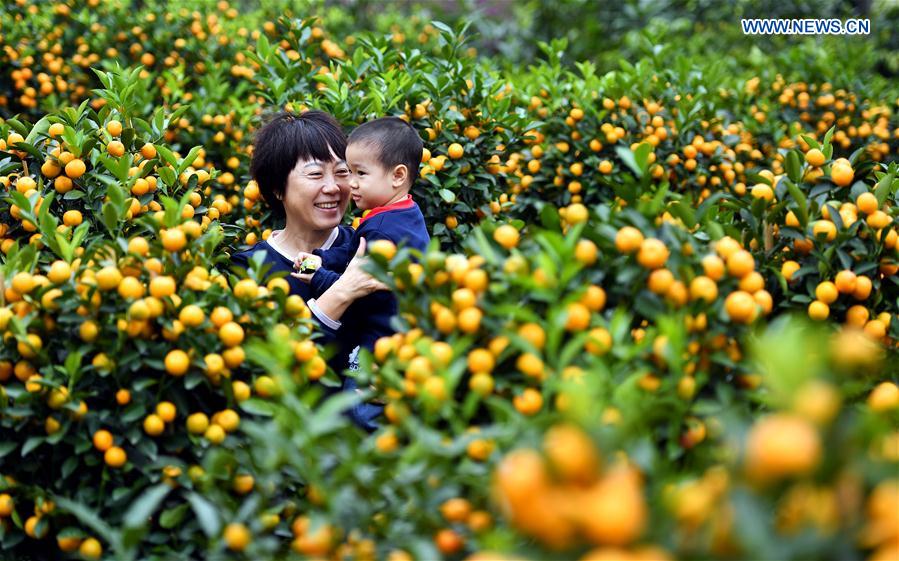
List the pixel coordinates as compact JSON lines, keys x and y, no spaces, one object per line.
{"x":627,"y":156}
{"x":206,"y":513}
{"x":447,"y":195}
{"x":145,"y":506}
{"x":173,"y":516}
{"x":801,"y":203}
{"x":794,"y":166}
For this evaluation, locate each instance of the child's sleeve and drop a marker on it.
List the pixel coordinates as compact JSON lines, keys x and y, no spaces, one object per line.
{"x":322,"y":281}
{"x":335,"y":258}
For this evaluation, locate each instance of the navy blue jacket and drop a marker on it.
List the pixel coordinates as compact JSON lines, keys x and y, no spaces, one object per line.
{"x":280,"y":263}
{"x":368,"y":319}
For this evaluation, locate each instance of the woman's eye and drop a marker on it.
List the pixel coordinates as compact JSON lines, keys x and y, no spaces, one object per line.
{"x":342,"y":173}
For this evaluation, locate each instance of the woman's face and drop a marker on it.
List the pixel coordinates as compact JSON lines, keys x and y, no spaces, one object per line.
{"x":317,"y":193}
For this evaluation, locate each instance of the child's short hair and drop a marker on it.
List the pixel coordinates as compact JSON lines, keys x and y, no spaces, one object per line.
{"x":395,"y":142}
{"x":284,"y":140}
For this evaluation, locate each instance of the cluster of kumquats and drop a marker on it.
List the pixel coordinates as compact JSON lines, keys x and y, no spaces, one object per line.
{"x":599,"y":357}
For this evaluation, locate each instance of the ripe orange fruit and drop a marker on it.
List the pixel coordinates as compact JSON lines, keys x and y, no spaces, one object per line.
{"x":470,"y":320}
{"x":480,"y":360}
{"x":841,"y":172}
{"x":818,"y":310}
{"x":740,"y":263}
{"x":148,"y":151}
{"x":455,"y":151}
{"x":578,"y":317}
{"x":154,"y":425}
{"x":162,"y":286}
{"x":31,"y":528}
{"x":660,"y":281}
{"x":166,"y":411}
{"x":653,"y":253}
{"x":614,"y":511}
{"x":177,"y":362}
{"x":123,"y":397}
{"x":788,"y":268}
{"x":448,"y":542}
{"x":173,"y":239}
{"x":845,"y":282}
{"x":741,"y":307}
{"x":384,"y":248}
{"x":827,"y":292}
{"x":534,"y":334}
{"x":703,"y":288}
{"x":91,"y":549}
{"x":506,"y":236}
{"x":572,"y":454}
{"x":107,"y":278}
{"x":863,"y":287}
{"x":246,"y":289}
{"x":867,"y":203}
{"x":75,"y":168}
{"x":824,"y":228}
{"x":115,"y":148}
{"x":59,"y":272}
{"x":576,"y":213}
{"x":599,"y":341}
{"x":114,"y":127}
{"x":594,"y":298}
{"x":815,"y":158}
{"x":782,"y":445}
{"x":115,"y":457}
{"x":103,"y":440}
{"x":628,"y":239}
{"x":585,"y":252}
{"x":197,"y":423}
{"x":884,"y":397}
{"x":529,"y":402}
{"x":237,"y":536}
{"x":191,"y":315}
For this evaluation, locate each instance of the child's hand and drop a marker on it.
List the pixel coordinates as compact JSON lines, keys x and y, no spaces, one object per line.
{"x":305,"y":266}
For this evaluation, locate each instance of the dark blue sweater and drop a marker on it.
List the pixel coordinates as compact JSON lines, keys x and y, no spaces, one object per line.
{"x":368,"y":318}
{"x":280,"y":263}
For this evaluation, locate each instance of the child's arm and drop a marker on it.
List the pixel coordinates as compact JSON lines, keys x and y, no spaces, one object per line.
{"x":335,"y":258}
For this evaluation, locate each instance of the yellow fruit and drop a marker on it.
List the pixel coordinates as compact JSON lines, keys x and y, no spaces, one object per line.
{"x":841,"y":173}
{"x":215,"y":434}
{"x":162,"y":286}
{"x":585,"y":252}
{"x":827,"y":292}
{"x":576,"y":213}
{"x":153,"y":425}
{"x":173,"y":239}
{"x":114,"y":127}
{"x":91,"y":549}
{"x":867,"y":203}
{"x":197,"y":423}
{"x":231,"y":334}
{"x":818,"y":310}
{"x":884,"y":397}
{"x":177,"y":362}
{"x":191,"y":315}
{"x":384,"y":248}
{"x":237,"y":536}
{"x":115,"y":457}
{"x":455,"y":151}
{"x":653,"y":253}
{"x":506,"y":236}
{"x":103,"y":440}
{"x":741,"y":307}
{"x":599,"y":341}
{"x":782,"y":445}
{"x":75,"y":168}
{"x":815,"y":158}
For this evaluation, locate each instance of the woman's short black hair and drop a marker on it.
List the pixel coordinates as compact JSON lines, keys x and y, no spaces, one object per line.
{"x":394,"y":142}
{"x":284,"y":140}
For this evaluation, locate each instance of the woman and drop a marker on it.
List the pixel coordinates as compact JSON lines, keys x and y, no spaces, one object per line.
{"x":300,"y":168}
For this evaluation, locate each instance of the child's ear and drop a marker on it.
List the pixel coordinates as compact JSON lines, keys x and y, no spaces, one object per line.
{"x":400,"y":174}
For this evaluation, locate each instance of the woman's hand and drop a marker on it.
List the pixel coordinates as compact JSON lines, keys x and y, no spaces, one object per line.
{"x":305,"y":266}
{"x":356,"y":280}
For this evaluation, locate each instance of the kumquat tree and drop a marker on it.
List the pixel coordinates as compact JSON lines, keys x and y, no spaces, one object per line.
{"x":656,"y":318}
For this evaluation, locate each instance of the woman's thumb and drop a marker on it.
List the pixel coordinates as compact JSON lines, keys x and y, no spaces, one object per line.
{"x":361,"y":251}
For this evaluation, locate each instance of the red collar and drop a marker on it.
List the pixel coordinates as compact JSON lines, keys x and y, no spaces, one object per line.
{"x":405,"y":202}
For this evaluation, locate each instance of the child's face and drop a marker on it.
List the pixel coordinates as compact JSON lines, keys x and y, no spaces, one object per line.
{"x":371,"y":185}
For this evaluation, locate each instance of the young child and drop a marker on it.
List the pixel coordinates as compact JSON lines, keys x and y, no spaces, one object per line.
{"x":383,"y":156}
